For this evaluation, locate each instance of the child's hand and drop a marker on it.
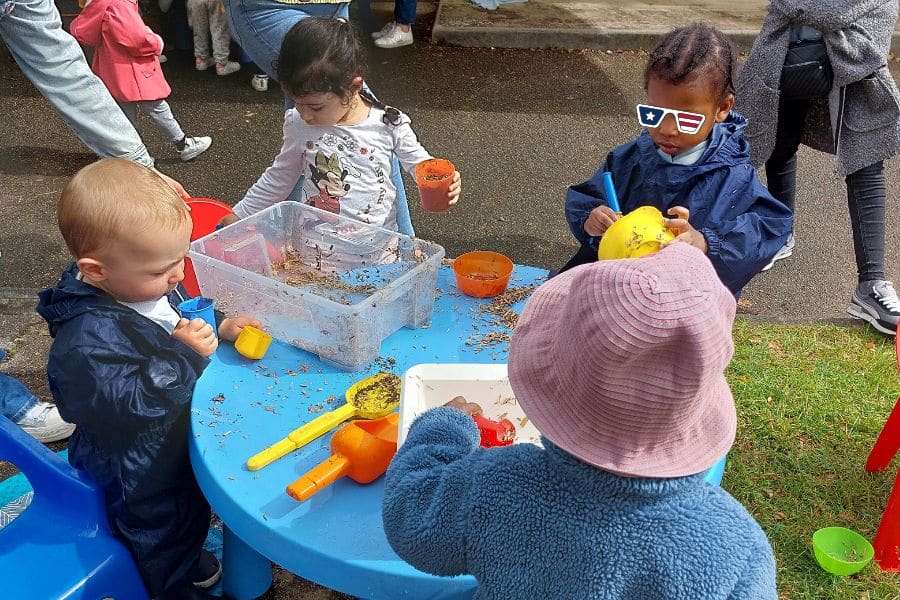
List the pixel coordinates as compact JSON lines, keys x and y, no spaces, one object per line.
{"x":198,"y":334}
{"x":231,"y":327}
{"x":683,"y":230}
{"x":228,"y":219}
{"x":599,"y":221}
{"x":460,"y":403}
{"x":455,"y":188}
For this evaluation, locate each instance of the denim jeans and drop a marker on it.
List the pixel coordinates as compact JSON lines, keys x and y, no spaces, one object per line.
{"x":405,"y":11}
{"x":55,"y":64}
{"x":15,"y":399}
{"x":259,"y":26}
{"x":866,"y":191}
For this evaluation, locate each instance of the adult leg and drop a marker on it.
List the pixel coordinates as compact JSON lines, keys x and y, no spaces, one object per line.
{"x":874,"y":299}
{"x":55,"y":64}
{"x":405,"y":12}
{"x":781,"y":168}
{"x":15,"y":399}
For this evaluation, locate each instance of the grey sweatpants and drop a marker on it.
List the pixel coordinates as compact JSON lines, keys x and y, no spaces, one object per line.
{"x":207,"y":18}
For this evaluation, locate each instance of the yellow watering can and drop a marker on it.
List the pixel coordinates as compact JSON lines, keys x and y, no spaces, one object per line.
{"x":640,"y":232}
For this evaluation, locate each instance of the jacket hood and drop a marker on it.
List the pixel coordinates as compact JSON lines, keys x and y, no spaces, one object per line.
{"x":71,"y":298}
{"x":727,"y":147}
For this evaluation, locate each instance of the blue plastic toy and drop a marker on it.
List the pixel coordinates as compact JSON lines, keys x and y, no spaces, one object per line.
{"x":61,"y":546}
{"x":612,"y":199}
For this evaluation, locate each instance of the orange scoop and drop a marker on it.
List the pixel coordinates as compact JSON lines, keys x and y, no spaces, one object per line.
{"x":362,"y":450}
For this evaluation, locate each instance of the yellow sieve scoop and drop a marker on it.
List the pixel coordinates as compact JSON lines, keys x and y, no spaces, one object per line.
{"x":369,"y":398}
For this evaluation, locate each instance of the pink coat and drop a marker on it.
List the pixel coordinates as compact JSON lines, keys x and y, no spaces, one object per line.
{"x":126,"y":52}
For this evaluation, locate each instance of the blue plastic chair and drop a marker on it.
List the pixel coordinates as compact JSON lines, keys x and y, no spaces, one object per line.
{"x":61,"y":546}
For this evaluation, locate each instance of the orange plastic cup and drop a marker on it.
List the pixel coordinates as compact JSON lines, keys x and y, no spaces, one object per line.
{"x":482,"y":274}
{"x":434,"y":178}
{"x":252,"y":342}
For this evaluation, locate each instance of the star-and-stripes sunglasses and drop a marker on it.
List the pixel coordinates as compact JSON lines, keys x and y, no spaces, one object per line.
{"x":686,"y":122}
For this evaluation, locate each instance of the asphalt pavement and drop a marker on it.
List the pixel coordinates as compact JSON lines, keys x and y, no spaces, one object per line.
{"x":520,"y":125}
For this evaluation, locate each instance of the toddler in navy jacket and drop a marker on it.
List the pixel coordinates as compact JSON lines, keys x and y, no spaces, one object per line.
{"x":691,"y":162}
{"x":123,"y":365}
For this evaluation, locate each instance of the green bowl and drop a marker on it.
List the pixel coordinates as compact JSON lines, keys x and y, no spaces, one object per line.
{"x":841,"y":551}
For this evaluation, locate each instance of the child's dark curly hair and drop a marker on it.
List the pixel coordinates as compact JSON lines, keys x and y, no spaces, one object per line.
{"x":320,"y":55}
{"x":693,"y":52}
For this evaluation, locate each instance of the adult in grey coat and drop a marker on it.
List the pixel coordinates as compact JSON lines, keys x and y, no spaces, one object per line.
{"x":858,"y":121}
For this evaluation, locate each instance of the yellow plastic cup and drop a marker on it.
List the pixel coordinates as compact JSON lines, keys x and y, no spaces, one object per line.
{"x":252,"y":342}
{"x":639,"y":233}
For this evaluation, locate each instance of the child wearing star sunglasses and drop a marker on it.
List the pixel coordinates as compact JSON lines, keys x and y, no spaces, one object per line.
{"x":690,"y":162}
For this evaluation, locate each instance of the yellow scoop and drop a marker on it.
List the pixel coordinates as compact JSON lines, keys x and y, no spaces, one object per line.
{"x":370,"y":398}
{"x":640,"y":232}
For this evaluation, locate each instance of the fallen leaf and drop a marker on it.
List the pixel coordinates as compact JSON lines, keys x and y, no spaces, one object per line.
{"x":779,"y":516}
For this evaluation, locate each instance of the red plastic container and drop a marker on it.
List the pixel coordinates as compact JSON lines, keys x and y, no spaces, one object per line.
{"x":434,"y":178}
{"x":482,"y":274}
{"x":205,"y":215}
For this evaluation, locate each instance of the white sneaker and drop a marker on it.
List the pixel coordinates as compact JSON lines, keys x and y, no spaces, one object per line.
{"x":43,"y":423}
{"x":202,"y":64}
{"x":228,"y":68}
{"x":396,"y":38}
{"x":386,"y":30}
{"x":785,"y":251}
{"x":194,"y":147}
{"x":163,"y":58}
{"x":260,"y":82}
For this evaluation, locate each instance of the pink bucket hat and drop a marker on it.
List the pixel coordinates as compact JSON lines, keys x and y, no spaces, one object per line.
{"x":621,"y":363}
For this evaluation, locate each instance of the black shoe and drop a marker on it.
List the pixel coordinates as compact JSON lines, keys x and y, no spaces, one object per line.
{"x":207,"y":572}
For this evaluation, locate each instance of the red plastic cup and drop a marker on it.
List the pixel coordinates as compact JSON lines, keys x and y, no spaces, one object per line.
{"x":434,"y":178}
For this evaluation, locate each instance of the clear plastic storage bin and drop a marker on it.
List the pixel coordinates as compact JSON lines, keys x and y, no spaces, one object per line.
{"x":328,"y":284}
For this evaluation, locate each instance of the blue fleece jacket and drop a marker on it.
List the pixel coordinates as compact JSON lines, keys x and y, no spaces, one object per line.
{"x":127,"y":385}
{"x":537,"y":523}
{"x":743,"y":223}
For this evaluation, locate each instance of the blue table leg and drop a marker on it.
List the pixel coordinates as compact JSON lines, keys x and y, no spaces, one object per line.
{"x":246,"y":573}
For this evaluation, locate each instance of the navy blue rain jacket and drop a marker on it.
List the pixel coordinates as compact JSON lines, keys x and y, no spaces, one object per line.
{"x":127,"y":384}
{"x":743,"y":223}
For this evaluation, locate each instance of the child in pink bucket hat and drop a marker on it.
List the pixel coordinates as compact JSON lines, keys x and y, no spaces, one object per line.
{"x":620,"y":364}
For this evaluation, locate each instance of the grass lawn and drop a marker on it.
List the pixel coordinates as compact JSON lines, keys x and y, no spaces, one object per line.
{"x":810,"y":401}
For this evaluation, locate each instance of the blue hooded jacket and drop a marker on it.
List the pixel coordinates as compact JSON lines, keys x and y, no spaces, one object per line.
{"x":127,"y":384}
{"x":538,"y":523}
{"x":743,"y":223}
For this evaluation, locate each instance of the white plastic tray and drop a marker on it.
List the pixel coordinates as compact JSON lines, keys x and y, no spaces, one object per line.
{"x":429,"y":385}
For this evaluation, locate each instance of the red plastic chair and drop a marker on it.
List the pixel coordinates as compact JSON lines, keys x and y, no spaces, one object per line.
{"x":205,"y":215}
{"x":887,"y":539}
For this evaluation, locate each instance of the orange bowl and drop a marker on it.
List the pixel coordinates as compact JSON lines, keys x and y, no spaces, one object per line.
{"x":482,"y":274}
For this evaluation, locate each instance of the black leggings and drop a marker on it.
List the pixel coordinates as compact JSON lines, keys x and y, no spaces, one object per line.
{"x":866,"y":191}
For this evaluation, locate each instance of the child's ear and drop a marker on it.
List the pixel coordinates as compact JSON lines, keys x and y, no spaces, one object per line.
{"x":724,"y":108}
{"x":91,"y":268}
{"x":356,"y":84}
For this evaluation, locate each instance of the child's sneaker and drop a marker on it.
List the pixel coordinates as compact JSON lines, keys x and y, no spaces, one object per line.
{"x":227,"y":69}
{"x":163,"y":58}
{"x":202,"y":64}
{"x":260,"y":82}
{"x":785,"y":251}
{"x":194,"y":147}
{"x":386,"y":30}
{"x":207,"y":572}
{"x":396,"y":38}
{"x":876,"y":303}
{"x":43,"y":423}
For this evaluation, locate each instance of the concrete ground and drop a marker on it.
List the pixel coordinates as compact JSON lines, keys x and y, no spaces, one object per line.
{"x":520,"y":124}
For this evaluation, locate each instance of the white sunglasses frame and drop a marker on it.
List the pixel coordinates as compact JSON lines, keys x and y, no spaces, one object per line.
{"x":674,"y":113}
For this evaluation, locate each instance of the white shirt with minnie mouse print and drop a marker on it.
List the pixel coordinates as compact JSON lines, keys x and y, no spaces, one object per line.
{"x":346,"y":168}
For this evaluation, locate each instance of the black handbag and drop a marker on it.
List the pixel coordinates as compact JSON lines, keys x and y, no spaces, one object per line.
{"x":807,"y":70}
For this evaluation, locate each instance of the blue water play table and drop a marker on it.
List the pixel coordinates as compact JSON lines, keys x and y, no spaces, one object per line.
{"x":336,"y":538}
